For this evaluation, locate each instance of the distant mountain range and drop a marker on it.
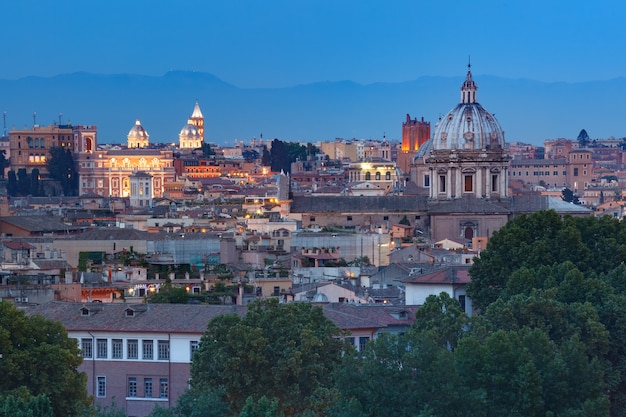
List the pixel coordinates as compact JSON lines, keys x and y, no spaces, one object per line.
{"x":529,"y":111}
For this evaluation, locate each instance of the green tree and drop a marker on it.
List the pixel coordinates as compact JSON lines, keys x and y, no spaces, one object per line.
{"x":565,"y":278}
{"x":405,"y":221}
{"x":169,"y":295}
{"x":62,"y":168}
{"x":207,"y":151}
{"x":4,"y":162}
{"x":568,"y":195}
{"x":280,"y":160}
{"x":38,"y":356}
{"x":264,"y":407}
{"x":442,"y":318}
{"x":18,"y":406}
{"x":288,"y":350}
{"x":12,"y":184}
{"x":23,"y":182}
{"x":266,"y":157}
{"x":583,"y":139}
{"x":201,"y":402}
{"x":35,"y":186}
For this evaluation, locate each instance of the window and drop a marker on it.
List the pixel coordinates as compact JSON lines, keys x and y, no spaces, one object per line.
{"x":102,"y":387}
{"x":312,"y":218}
{"x":468,"y":184}
{"x":147,"y":387}
{"x":362,"y":342}
{"x":462,"y":302}
{"x":117,"y":349}
{"x":494,"y":183}
{"x":368,"y":176}
{"x":163,"y":350}
{"x":385,"y":218}
{"x":148,"y":350}
{"x":87,"y":347}
{"x":426,"y":180}
{"x":575,"y":172}
{"x":442,"y":183}
{"x":388,"y":176}
{"x":133,"y":349}
{"x":101,"y":348}
{"x":378,"y":176}
{"x":349,"y":218}
{"x":132,"y":387}
{"x":194,"y":344}
{"x":163,"y":388}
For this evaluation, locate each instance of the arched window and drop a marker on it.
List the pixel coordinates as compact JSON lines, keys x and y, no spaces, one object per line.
{"x":126,"y":163}
{"x":142,"y":163}
{"x":378,"y":176}
{"x":388,"y":175}
{"x":113,"y":163}
{"x":368,"y":176}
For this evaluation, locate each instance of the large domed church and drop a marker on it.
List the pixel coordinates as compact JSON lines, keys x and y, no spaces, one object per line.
{"x":463,"y":168}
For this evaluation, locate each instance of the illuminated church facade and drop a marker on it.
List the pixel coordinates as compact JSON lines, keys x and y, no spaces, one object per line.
{"x":112,"y":173}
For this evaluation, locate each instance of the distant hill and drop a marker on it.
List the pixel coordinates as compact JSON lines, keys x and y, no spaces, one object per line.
{"x":528,"y":111}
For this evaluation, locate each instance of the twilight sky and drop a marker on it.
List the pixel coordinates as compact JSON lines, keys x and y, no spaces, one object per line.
{"x":278,"y":43}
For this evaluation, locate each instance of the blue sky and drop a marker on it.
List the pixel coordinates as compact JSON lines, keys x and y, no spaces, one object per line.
{"x":278,"y":43}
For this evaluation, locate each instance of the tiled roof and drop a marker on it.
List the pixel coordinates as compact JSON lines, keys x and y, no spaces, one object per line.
{"x":40,"y":224}
{"x":357,"y":204}
{"x":113,"y":233}
{"x":358,"y":316}
{"x":468,"y":204}
{"x":18,"y":245}
{"x":449,"y":275}
{"x":175,"y":318}
{"x":533,"y":203}
{"x":194,"y":318}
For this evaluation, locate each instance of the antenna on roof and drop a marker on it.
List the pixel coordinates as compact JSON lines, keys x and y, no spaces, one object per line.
{"x":34,"y":118}
{"x":469,"y":62}
{"x":4,"y":118}
{"x":60,"y":118}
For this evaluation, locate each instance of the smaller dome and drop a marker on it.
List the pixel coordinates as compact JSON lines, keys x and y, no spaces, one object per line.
{"x":423,"y":151}
{"x":320,"y":298}
{"x":137,"y":131}
{"x":189,"y":131}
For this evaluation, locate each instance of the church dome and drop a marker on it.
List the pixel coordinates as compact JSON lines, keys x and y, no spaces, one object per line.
{"x":423,"y":151}
{"x":189,"y":131}
{"x":468,"y":126}
{"x":138,"y":131}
